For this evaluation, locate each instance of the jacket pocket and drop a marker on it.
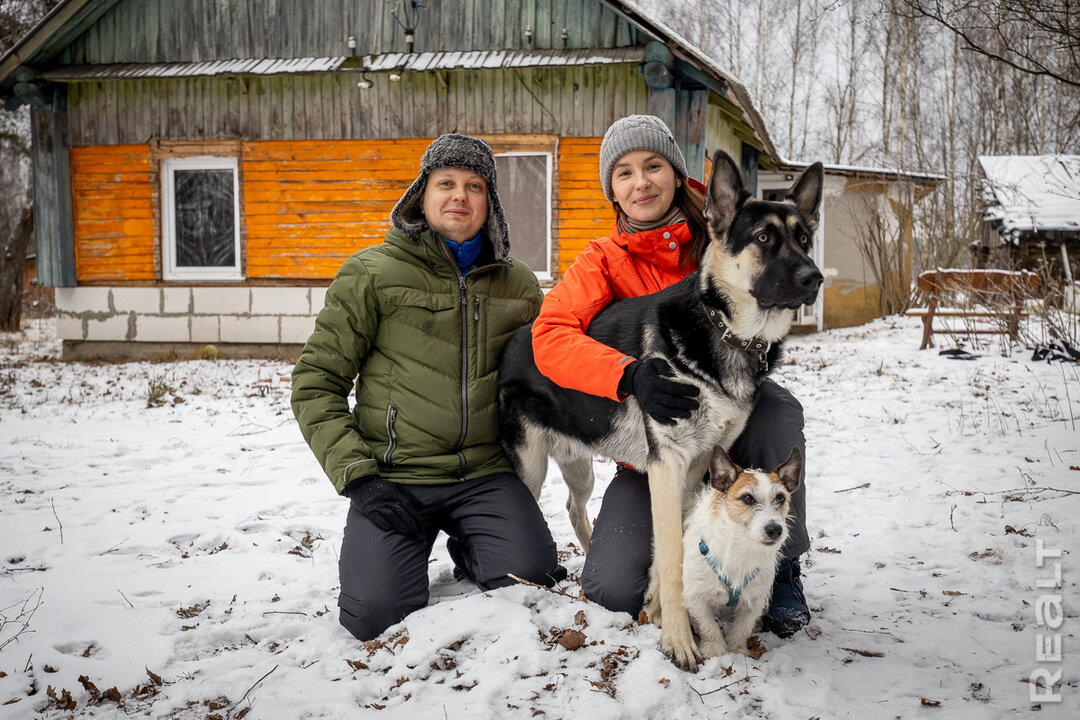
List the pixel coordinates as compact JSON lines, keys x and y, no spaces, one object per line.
{"x":391,"y":435}
{"x":499,"y":318}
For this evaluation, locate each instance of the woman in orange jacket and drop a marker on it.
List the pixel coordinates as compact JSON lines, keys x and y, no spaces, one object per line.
{"x":658,"y":239}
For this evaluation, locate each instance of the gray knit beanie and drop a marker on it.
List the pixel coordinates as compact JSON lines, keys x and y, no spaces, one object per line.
{"x":458,"y":151}
{"x":637,"y":132}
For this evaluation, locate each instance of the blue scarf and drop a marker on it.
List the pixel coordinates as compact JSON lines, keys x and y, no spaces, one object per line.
{"x":466,"y":253}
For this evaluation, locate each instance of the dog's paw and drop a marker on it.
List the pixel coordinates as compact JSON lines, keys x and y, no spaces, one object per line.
{"x":679,"y":645}
{"x":712,"y":649}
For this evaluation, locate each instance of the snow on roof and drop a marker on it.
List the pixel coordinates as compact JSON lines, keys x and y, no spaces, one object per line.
{"x":426,"y":61}
{"x":1033,"y":192}
{"x":883,"y":172}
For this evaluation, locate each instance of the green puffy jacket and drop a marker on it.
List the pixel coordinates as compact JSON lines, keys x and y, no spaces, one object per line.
{"x":423,"y":344}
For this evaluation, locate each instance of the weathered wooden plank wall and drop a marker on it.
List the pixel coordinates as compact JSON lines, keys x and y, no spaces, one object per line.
{"x":308,"y":206}
{"x":148,"y":31}
{"x":582,"y":213}
{"x":576,"y":101}
{"x":305,"y":206}
{"x":112,"y":188}
{"x":53,"y":233}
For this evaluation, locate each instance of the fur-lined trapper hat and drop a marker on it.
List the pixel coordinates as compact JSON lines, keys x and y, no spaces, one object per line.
{"x":458,"y":151}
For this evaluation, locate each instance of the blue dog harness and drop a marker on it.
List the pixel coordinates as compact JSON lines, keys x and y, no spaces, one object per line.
{"x":734,"y":593}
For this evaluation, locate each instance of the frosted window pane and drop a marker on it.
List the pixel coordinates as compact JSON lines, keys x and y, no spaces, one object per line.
{"x":523,"y":190}
{"x":205,"y":218}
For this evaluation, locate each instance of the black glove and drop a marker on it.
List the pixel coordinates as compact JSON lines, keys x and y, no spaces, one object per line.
{"x":665,"y":400}
{"x":387,"y":504}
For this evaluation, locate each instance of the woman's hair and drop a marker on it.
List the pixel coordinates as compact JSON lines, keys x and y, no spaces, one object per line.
{"x":692,"y":204}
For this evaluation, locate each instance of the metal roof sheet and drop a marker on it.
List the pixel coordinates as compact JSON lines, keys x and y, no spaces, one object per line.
{"x":390,"y":62}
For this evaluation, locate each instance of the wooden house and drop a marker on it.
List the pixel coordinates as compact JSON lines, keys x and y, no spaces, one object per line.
{"x":865,"y":239}
{"x":1032,"y":217}
{"x":202,"y":167}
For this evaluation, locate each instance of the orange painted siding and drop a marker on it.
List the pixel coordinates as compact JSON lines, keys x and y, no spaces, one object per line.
{"x":583,"y":213}
{"x":305,"y":205}
{"x":112,"y":187}
{"x":308,"y":205}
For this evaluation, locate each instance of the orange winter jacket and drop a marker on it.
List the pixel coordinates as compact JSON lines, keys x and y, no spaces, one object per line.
{"x":620,"y":266}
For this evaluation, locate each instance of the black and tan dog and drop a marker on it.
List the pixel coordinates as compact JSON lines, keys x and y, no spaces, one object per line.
{"x":719,"y":329}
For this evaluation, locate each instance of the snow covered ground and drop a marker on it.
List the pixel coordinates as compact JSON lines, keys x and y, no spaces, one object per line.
{"x":178,"y":559}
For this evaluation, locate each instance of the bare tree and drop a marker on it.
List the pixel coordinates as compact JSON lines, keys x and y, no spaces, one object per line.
{"x":1036,"y":37}
{"x":16,"y":218}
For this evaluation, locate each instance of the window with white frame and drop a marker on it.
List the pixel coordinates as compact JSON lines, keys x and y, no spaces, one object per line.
{"x":200,"y":213}
{"x":525,"y":192}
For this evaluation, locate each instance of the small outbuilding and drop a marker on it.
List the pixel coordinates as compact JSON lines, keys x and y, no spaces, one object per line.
{"x":1032,"y":218}
{"x":865,"y":239}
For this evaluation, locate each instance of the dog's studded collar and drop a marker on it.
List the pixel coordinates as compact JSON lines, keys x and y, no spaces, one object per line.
{"x":754,"y":345}
{"x":734,"y":593}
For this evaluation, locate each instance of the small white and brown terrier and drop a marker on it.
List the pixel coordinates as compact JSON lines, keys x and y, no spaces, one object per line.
{"x":732,"y":543}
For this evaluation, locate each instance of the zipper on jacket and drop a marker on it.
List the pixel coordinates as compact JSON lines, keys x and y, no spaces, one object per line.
{"x":464,"y":376}
{"x":391,"y":435}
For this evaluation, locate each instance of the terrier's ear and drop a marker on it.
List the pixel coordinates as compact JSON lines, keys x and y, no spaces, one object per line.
{"x":725,"y":192}
{"x":805,"y":194}
{"x":722,"y":472}
{"x":790,"y":470}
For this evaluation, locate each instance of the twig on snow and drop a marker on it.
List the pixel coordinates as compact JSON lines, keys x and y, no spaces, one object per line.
{"x":857,"y":487}
{"x":24,"y":616}
{"x":254,"y":685}
{"x":515,"y":578}
{"x":53,"y":503}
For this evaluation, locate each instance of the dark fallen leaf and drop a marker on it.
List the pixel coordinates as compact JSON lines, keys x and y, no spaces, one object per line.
{"x":753,"y":644}
{"x":929,"y":703}
{"x":193,"y":610}
{"x":64,"y":701}
{"x":90,"y":687}
{"x":357,"y":665}
{"x":155,"y":678}
{"x":572,"y":639}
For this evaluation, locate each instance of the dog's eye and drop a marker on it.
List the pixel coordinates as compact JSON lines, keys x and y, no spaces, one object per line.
{"x":778,"y":500}
{"x":763,"y":237}
{"x":804,"y":240}
{"x":747,"y":499}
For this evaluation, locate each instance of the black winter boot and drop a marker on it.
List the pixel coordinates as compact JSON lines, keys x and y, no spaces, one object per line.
{"x":787,"y":611}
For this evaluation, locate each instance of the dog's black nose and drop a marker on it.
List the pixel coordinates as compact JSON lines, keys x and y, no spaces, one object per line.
{"x":809,"y":278}
{"x":773,"y":531}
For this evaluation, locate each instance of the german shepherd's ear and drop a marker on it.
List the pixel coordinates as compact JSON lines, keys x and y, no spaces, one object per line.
{"x":789,"y":470}
{"x":722,"y":472}
{"x":725,"y":194}
{"x":805,"y":194}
